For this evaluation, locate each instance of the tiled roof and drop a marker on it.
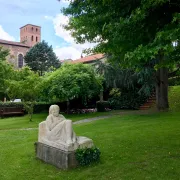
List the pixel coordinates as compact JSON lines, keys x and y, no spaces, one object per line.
{"x":13,"y":43}
{"x":89,"y":58}
{"x":30,"y":25}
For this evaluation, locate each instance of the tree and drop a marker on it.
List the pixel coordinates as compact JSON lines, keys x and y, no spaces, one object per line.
{"x":132,"y":32}
{"x":117,"y":77}
{"x":25,"y":85}
{"x":41,"y":58}
{"x":6,"y":70}
{"x":72,"y":81}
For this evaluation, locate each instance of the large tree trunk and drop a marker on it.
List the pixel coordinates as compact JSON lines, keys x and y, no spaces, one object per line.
{"x":162,"y":89}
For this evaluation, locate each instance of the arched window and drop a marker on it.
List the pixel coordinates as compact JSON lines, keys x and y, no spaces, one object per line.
{"x":36,"y":39}
{"x":32,"y":28}
{"x":36,"y":29}
{"x":20,"y":61}
{"x":32,"y":38}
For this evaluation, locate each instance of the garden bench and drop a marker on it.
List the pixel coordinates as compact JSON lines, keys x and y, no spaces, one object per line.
{"x":11,"y":111}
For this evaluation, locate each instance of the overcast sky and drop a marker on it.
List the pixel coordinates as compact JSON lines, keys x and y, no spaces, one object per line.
{"x":47,"y":14}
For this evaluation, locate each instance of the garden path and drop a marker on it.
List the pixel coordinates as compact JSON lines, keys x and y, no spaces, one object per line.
{"x":97,"y":118}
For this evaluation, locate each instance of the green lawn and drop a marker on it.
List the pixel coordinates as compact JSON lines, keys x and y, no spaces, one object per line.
{"x":174,"y":98}
{"x":23,"y":122}
{"x":133,"y":147}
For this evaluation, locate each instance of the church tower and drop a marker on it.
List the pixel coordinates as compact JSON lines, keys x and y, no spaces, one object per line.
{"x":30,"y":34}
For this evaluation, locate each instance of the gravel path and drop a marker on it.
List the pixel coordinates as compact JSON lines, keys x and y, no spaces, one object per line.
{"x":92,"y":119}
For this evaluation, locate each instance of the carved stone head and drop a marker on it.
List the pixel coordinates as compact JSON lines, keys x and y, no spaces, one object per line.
{"x":54,"y":110}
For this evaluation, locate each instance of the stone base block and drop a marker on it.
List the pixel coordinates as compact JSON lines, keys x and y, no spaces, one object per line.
{"x":59,"y":158}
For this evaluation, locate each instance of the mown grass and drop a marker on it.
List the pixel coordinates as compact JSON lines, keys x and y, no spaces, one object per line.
{"x":23,"y":122}
{"x":132,"y":146}
{"x":174,"y":98}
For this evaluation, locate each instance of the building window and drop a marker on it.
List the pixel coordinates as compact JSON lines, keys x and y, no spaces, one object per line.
{"x":36,"y":39}
{"x":20,"y":61}
{"x":32,"y":38}
{"x":32,"y":28}
{"x":36,"y":29}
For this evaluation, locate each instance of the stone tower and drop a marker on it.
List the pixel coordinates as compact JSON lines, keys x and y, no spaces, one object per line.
{"x":30,"y":34}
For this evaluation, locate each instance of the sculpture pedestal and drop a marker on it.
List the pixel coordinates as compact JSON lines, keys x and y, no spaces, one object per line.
{"x":59,"y":158}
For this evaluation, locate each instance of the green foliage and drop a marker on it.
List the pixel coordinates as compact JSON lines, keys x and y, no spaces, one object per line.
{"x":132,"y":32}
{"x":87,"y":156}
{"x":11,"y":104}
{"x":38,"y":106}
{"x":41,"y":107}
{"x":130,"y":99}
{"x":174,"y":81}
{"x":115,"y":92}
{"x":3,"y":54}
{"x":26,"y":85}
{"x":174,"y":98}
{"x":72,"y":81}
{"x":127,"y":30}
{"x":118,"y":78}
{"x":102,"y":105}
{"x":41,"y":58}
{"x":6,"y":70}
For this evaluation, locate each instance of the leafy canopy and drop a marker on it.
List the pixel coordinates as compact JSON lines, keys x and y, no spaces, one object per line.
{"x":72,"y":81}
{"x":41,"y":58}
{"x":25,"y":85}
{"x":133,"y":32}
{"x":6,"y":70}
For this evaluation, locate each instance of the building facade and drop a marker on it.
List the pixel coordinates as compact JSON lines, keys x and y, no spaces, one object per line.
{"x":29,"y":36}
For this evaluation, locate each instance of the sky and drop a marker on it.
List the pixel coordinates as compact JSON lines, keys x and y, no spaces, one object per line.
{"x":47,"y":14}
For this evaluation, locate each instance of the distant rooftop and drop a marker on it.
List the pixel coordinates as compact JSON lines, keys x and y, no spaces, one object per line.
{"x":89,"y":59}
{"x":13,"y":43}
{"x":30,"y":25}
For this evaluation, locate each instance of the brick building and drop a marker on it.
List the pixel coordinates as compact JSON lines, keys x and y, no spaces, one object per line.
{"x":29,"y":36}
{"x":92,"y":59}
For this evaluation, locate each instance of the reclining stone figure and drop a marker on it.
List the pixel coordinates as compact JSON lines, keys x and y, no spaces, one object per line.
{"x":57,"y":132}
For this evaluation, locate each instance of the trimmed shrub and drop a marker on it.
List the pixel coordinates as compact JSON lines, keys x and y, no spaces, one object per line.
{"x":11,"y":104}
{"x":87,"y":156}
{"x":39,"y":106}
{"x":127,"y":100}
{"x":102,"y":106}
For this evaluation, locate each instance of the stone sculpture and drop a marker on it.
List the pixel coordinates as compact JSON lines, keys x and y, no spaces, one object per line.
{"x":57,"y":132}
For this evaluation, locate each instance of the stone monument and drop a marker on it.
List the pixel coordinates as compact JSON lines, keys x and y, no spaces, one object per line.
{"x":57,"y":142}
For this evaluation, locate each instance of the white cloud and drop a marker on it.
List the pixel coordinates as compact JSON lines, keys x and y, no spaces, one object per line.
{"x":65,"y":1}
{"x":59,"y":21}
{"x":5,"y":36}
{"x":67,"y":53}
{"x":73,"y":50}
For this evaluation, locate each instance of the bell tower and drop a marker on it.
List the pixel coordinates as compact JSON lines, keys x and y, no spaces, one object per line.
{"x":30,"y":34}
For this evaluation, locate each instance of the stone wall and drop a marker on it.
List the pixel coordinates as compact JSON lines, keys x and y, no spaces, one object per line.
{"x":14,"y":51}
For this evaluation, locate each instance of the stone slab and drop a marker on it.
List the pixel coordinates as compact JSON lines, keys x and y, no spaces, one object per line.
{"x":59,"y":158}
